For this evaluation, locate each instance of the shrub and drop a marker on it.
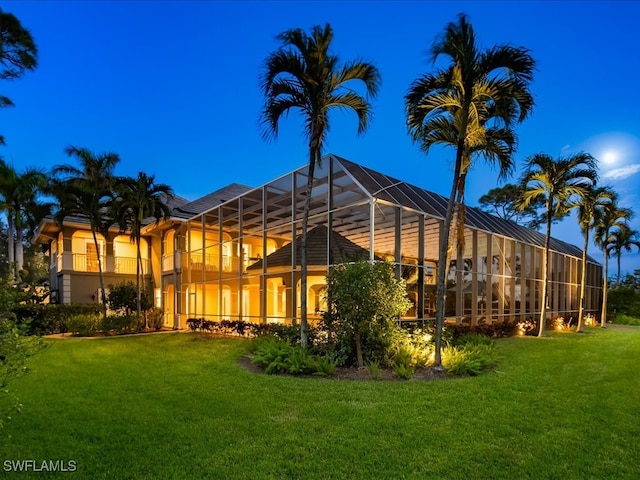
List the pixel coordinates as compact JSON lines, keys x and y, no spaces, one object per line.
{"x":365,"y":300}
{"x":403,"y":371}
{"x":123,"y":298}
{"x":324,"y":366}
{"x":493,"y":330}
{"x":472,"y":339}
{"x":278,"y":356}
{"x":622,"y":319}
{"x":624,"y":300}
{"x":120,"y":324}
{"x":156,"y":317}
{"x":470,"y":359}
{"x":374,"y":370}
{"x":48,"y":319}
{"x":84,"y":325}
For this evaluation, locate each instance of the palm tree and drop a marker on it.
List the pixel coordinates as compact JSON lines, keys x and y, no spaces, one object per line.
{"x":87,"y":191}
{"x":624,"y":238}
{"x":303,"y":75}
{"x":471,"y":105}
{"x":18,"y":52}
{"x":560,"y":183}
{"x":613,"y":218}
{"x":138,"y":199}
{"x":590,"y":209}
{"x":18,"y":198}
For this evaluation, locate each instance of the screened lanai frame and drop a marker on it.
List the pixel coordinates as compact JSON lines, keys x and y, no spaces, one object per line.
{"x":247,"y":265}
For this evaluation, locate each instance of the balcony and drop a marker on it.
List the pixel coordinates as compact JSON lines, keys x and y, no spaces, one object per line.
{"x":123,"y":265}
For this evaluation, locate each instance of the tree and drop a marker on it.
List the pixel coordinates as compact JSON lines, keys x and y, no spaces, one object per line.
{"x":503,"y":202}
{"x":560,"y":183}
{"x":471,"y":105}
{"x":302,"y":75}
{"x":590,"y":207}
{"x":18,"y":52}
{"x":365,"y":300}
{"x":624,"y":238}
{"x":138,"y":199}
{"x":87,"y":191}
{"x":613,"y":218}
{"x":19,"y":199}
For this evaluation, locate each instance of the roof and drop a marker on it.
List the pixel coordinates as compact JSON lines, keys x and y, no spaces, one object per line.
{"x":404,"y":194}
{"x":342,"y":250}
{"x":181,"y":208}
{"x":209,"y":201}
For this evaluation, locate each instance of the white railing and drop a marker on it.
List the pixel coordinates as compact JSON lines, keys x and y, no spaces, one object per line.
{"x":128,"y":265}
{"x":167,"y":262}
{"x":86,"y":263}
{"x":210,"y":262}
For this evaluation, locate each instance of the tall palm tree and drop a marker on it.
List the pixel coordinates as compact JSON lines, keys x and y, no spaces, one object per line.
{"x":613,"y":218}
{"x":625,"y":238}
{"x":304,"y":75}
{"x":87,"y":191}
{"x":138,"y":199}
{"x":18,"y":52}
{"x":590,"y":209}
{"x":19,"y":199}
{"x":560,"y":183}
{"x":471,"y":105}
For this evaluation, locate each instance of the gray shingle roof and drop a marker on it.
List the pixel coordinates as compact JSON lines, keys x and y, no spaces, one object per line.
{"x":209,"y":201}
{"x":342,"y":250}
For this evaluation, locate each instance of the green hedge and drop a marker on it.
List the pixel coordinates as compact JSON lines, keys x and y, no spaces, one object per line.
{"x":48,"y":319}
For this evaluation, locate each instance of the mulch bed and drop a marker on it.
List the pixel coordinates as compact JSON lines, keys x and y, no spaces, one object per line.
{"x":362,"y":374}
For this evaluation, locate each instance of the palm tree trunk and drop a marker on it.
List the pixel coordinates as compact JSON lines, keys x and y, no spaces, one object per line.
{"x":103,"y":295}
{"x":603,"y":316}
{"x":304,"y":329}
{"x":443,"y":267}
{"x":545,"y":275}
{"x":619,"y":254}
{"x":11,"y":244}
{"x":138,"y":289}
{"x":583,"y":282}
{"x":19,"y":251}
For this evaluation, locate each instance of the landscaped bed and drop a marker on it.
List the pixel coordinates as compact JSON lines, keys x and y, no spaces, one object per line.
{"x":180,"y":405}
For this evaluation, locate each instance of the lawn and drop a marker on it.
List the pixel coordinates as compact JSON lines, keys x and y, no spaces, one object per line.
{"x":178,"y":405}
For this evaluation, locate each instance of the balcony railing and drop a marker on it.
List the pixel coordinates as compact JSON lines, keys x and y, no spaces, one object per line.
{"x":167,"y":262}
{"x":210,"y":263}
{"x":128,"y":265}
{"x":86,"y":263}
{"x":124,"y":265}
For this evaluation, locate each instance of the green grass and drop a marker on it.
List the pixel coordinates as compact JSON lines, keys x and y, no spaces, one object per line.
{"x":176,"y":406}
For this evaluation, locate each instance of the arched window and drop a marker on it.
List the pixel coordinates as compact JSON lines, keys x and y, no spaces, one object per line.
{"x":125,"y":254}
{"x":168,"y":249}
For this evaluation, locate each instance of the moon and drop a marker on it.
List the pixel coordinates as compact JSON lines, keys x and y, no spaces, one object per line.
{"x":609,"y":157}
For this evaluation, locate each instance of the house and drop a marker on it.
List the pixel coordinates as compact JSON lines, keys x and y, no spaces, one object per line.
{"x":235,"y":253}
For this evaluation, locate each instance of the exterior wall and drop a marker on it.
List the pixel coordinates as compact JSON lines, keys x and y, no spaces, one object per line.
{"x":73,"y":271}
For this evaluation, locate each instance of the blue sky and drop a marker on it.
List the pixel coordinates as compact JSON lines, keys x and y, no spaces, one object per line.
{"x":173,"y":88}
